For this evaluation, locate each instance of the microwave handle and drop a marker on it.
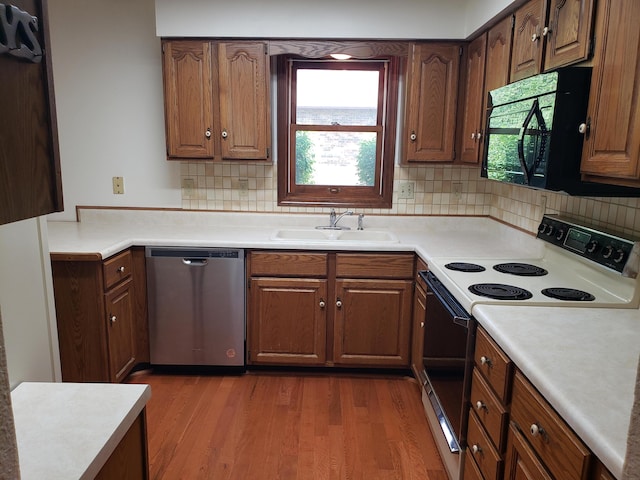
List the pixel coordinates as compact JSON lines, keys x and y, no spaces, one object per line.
{"x":534,"y":111}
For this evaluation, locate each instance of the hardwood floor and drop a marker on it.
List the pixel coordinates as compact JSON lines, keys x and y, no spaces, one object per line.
{"x":288,"y":426}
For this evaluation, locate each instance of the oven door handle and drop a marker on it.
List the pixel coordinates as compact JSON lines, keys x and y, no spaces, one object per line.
{"x":451,"y":305}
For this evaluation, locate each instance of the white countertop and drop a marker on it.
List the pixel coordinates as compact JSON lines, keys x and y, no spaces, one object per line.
{"x":582,"y":360}
{"x":67,"y":431}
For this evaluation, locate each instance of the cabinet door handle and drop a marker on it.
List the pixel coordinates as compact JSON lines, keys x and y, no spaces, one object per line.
{"x":322,"y":304}
{"x":339,"y":303}
{"x":535,"y":37}
{"x":113,"y":319}
{"x":225,"y":134}
{"x":546,"y":31}
{"x":485,"y":360}
{"x":585,"y":128}
{"x":473,"y":136}
{"x":413,"y":137}
{"x":536,"y":430}
{"x":475,"y":448}
{"x":480,"y":405}
{"x":208,"y":133}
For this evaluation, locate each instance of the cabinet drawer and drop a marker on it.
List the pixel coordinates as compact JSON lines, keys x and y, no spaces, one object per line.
{"x":494,"y":365}
{"x":288,"y":264}
{"x":116,"y":268}
{"x":480,"y":447}
{"x":490,"y":411}
{"x":376,"y":265}
{"x":559,"y":448}
{"x":471,"y":471}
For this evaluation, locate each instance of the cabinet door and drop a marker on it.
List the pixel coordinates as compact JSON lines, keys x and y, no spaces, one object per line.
{"x":611,"y":150}
{"x":432,"y":97}
{"x":119,"y":304}
{"x":526,"y":57}
{"x":188,"y":99}
{"x":568,"y":32}
{"x":372,"y":322}
{"x":522,"y":463}
{"x":499,"y":41}
{"x":474,"y":101}
{"x":419,"y":311}
{"x":244,"y":100}
{"x":287,"y":321}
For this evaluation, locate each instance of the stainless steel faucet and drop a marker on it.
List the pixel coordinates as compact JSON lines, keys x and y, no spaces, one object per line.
{"x":361,"y":221}
{"x":333,"y":219}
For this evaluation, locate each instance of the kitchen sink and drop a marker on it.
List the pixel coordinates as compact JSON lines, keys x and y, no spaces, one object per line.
{"x":314,"y":235}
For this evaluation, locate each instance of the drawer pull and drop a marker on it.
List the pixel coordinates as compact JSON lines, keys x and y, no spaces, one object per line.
{"x":537,"y":430}
{"x":475,"y":448}
{"x":121,"y":269}
{"x":480,"y":405}
{"x":485,"y":360}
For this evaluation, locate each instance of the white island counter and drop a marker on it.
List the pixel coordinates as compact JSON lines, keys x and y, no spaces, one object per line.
{"x":68,"y":431}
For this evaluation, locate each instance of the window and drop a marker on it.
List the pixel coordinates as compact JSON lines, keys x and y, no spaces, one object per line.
{"x":336,"y":131}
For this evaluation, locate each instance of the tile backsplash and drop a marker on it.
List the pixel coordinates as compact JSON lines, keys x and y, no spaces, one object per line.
{"x":438,"y":190}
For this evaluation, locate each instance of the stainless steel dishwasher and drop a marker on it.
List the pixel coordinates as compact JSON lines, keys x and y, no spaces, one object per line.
{"x":196,"y":299}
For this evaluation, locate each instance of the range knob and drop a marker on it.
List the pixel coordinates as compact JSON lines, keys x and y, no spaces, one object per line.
{"x":619,"y":256}
{"x":592,"y":246}
{"x":550,"y":230}
{"x":542,"y":228}
{"x":607,"y":252}
{"x":560,"y":234}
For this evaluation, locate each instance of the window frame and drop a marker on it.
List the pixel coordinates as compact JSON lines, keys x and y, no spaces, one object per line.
{"x":377,"y":196}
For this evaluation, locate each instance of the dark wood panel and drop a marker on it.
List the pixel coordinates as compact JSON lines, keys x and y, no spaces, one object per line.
{"x":378,"y":265}
{"x":79,"y":298}
{"x":140,"y":308}
{"x":129,"y":461}
{"x":289,"y":264}
{"x":30,"y":180}
{"x":323,"y":48}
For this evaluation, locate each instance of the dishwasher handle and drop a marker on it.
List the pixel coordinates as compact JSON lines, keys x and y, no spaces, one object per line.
{"x":195,"y":262}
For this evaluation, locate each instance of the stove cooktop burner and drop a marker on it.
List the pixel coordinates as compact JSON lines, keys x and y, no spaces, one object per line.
{"x":499,"y":291}
{"x":568,"y":294}
{"x":520,"y":269}
{"x":465,"y":267}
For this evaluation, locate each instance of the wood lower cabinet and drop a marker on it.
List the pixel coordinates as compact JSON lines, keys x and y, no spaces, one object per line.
{"x":523,"y":464}
{"x":611,"y":149}
{"x":308,"y":308}
{"x":288,"y":321}
{"x":419,"y":312}
{"x":130,"y":459}
{"x":101,"y":315}
{"x":432,"y":99}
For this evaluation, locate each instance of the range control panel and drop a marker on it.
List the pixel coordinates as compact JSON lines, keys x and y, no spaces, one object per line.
{"x":603,"y":248}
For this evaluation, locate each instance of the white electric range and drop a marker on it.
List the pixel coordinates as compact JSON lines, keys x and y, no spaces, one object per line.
{"x":580,"y":266}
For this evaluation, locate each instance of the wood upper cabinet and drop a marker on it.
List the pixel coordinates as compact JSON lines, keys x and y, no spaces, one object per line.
{"x":101,"y":315}
{"x":498,"y":62}
{"x":611,"y":150}
{"x":549,"y":34}
{"x":472,"y":121}
{"x":188,"y":88}
{"x":216,"y":99}
{"x":30,"y":178}
{"x":526,"y":56}
{"x":244,"y":100}
{"x":431,"y":102}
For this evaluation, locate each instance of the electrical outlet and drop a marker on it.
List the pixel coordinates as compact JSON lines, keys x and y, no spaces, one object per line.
{"x":406,"y":190}
{"x":243,"y":186}
{"x":188,"y":187}
{"x":118,"y":185}
{"x":456,"y":189}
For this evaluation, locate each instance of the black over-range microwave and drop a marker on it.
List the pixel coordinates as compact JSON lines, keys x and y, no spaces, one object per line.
{"x":533,"y":136}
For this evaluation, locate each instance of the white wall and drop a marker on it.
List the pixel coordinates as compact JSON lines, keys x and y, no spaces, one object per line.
{"x":26,"y":300}
{"x":108,"y":76}
{"x":108,"y":86}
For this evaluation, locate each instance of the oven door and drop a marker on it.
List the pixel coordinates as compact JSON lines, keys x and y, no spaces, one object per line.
{"x":447,"y":359}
